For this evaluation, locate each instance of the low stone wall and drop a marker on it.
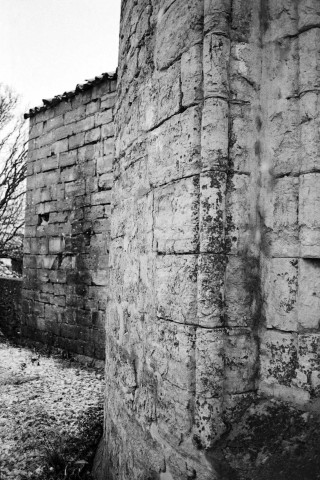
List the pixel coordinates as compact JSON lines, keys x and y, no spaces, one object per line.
{"x":10,"y":306}
{"x":67,"y":220}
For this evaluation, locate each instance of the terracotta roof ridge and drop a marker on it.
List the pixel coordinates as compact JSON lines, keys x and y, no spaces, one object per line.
{"x":80,"y":87}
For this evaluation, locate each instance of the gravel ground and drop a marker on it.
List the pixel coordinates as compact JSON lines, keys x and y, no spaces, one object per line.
{"x":50,"y":415}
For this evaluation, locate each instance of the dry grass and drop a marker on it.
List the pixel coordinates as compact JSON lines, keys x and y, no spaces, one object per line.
{"x":51,"y":416}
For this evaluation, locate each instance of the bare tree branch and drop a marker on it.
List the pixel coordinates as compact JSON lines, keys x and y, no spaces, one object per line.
{"x":13,"y":155}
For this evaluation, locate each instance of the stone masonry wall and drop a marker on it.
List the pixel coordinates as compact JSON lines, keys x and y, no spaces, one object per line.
{"x":214,"y":256}
{"x":66,"y":245}
{"x":289,"y":202}
{"x":10,"y":306}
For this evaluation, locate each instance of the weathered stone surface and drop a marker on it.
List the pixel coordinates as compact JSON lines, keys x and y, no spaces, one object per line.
{"x":309,"y":108}
{"x":309,"y":59}
{"x":241,"y":354}
{"x":174,"y":148}
{"x":238,"y":207}
{"x":241,"y":291}
{"x":309,"y":294}
{"x":179,"y":27}
{"x":191,"y":78}
{"x":243,"y":122}
{"x":309,"y":220}
{"x":212,"y":208}
{"x":308,"y":375}
{"x":285,"y":239}
{"x":281,"y":294}
{"x":216,"y":53}
{"x":176,"y":280}
{"x":279,"y":364}
{"x":209,"y":385}
{"x":211,"y":285}
{"x":176,"y":213}
{"x":214,"y":134}
{"x":160,"y":98}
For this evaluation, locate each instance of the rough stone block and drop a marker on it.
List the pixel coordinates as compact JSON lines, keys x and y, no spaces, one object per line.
{"x":76,"y":141}
{"x":63,"y":132}
{"x":173,"y":149}
{"x":88,"y":153}
{"x":176,"y":288}
{"x":309,"y":14}
{"x":216,"y":55}
{"x":281,"y":72}
{"x":239,"y":204}
{"x":211,"y":284}
{"x":104,"y":117}
{"x":244,"y":71}
{"x":279,"y":363}
{"x":283,"y":137}
{"x":216,"y":16}
{"x":212,"y":208}
{"x":84,"y":125}
{"x":107,"y":130}
{"x":108,"y":100}
{"x":178,"y":28}
{"x":93,"y":107}
{"x":108,"y":149}
{"x":191,"y":76}
{"x":172,"y":405}
{"x":100,"y":277}
{"x":241,"y":291}
{"x":160,"y":98}
{"x":101,"y":198}
{"x":62,"y":107}
{"x":30,"y":261}
{"x":214,"y":136}
{"x":309,"y":59}
{"x":69,"y":174}
{"x":48,"y":261}
{"x":209,"y":357}
{"x":105,"y":181}
{"x":75,"y":115}
{"x":309,"y":220}
{"x":60,"y":146}
{"x":309,"y":294}
{"x":285,"y":239}
{"x":75,"y":189}
{"x":243,"y":122}
{"x":308,"y":375}
{"x":281,"y":291}
{"x":241,"y":361}
{"x":56,"y":244}
{"x":171,"y":352}
{"x":36,"y":130}
{"x":176,"y":216}
{"x":280,"y":20}
{"x":310,"y":136}
{"x":53,"y":123}
{"x":93,"y":135}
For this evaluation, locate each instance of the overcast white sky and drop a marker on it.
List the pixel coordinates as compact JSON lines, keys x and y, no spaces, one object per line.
{"x":48,"y":46}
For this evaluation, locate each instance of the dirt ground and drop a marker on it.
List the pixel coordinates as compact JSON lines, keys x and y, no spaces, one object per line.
{"x":51,"y":415}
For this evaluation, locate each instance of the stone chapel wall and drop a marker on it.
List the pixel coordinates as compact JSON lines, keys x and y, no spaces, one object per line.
{"x":213,"y":295}
{"x":68,"y":209}
{"x":214,"y":256}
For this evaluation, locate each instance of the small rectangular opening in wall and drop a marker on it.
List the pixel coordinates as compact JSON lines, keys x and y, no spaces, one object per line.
{"x":43,"y":219}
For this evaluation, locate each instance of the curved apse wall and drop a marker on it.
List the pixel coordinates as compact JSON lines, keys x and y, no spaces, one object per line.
{"x":212,"y":227}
